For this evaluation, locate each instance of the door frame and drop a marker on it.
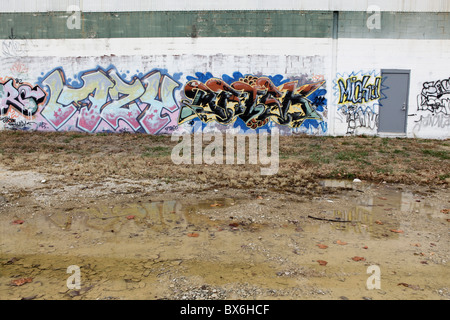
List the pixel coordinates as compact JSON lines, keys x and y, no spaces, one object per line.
{"x":398,"y":71}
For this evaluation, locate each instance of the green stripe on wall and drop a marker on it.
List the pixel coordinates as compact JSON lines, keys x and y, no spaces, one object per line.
{"x":394,"y":25}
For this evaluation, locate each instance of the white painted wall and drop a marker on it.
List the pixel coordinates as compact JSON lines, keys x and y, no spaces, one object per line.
{"x":427,"y":60}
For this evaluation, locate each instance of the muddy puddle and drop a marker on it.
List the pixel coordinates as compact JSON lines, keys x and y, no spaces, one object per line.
{"x":264,"y":246}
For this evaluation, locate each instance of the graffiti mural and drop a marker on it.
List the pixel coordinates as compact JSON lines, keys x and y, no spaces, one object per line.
{"x":146,"y":103}
{"x":108,"y":100}
{"x":357,"y":96}
{"x":252,"y":100}
{"x":21,"y":96}
{"x":435,"y":97}
{"x":433,"y":106}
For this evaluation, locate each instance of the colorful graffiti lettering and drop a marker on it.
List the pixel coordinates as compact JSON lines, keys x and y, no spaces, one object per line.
{"x":435,"y":97}
{"x":358,"y":90}
{"x":23,"y":97}
{"x":145,"y":103}
{"x":357,"y":96}
{"x":254,"y":100}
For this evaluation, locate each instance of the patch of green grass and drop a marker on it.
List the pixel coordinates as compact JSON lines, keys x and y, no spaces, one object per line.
{"x":319,"y":157}
{"x":437,"y":153}
{"x":156,"y":151}
{"x":401,"y":152}
{"x":73,"y":136}
{"x":365,"y":162}
{"x":351,"y":155}
{"x":342,"y":174}
{"x":16,"y":132}
{"x":315,"y":146}
{"x":384,"y":170}
{"x":444,"y":176}
{"x":158,"y":137}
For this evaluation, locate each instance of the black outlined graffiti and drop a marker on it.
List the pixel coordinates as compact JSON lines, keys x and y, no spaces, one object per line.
{"x":435,"y":97}
{"x":359,"y":117}
{"x":15,"y":124}
{"x":24,"y":98}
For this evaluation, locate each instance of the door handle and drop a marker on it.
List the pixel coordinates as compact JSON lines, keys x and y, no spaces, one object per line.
{"x":404,"y":106}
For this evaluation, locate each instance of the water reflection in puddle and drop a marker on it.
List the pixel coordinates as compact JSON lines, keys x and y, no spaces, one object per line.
{"x":157,"y":216}
{"x":375,"y":207}
{"x":368,"y":213}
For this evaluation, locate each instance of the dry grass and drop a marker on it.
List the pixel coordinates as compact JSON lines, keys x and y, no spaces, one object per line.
{"x":303,"y":159}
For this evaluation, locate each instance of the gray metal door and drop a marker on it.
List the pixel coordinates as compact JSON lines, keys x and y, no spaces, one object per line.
{"x":394,"y":102}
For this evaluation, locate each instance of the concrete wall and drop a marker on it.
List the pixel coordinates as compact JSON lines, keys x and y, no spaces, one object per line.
{"x":140,"y":71}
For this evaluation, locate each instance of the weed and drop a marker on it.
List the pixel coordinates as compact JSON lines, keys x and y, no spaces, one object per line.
{"x":444,"y":176}
{"x":342,"y":174}
{"x":401,"y":152}
{"x":437,"y":153}
{"x":73,"y":136}
{"x":316,"y":146}
{"x":384,"y":170}
{"x":351,"y":155}
{"x":318,"y":157}
{"x":156,"y":151}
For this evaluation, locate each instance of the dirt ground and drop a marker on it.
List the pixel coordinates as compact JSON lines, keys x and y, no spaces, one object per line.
{"x":140,"y":227}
